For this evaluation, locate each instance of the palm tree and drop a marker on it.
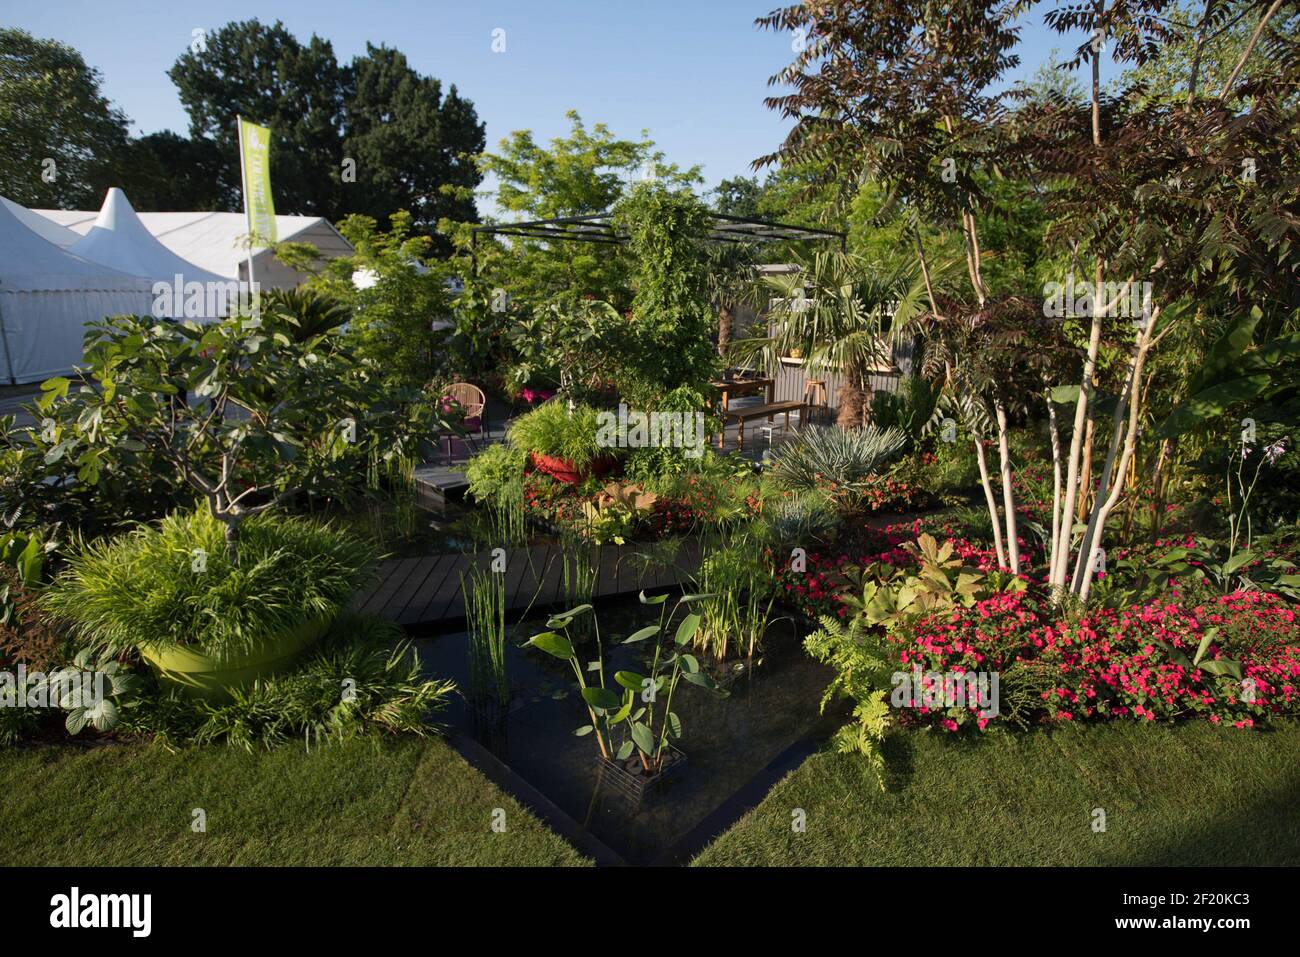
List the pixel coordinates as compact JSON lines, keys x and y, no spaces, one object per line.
{"x":836,"y":312}
{"x":304,"y":313}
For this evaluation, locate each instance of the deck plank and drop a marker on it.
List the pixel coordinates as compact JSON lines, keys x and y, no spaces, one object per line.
{"x":408,"y":590}
{"x":393,"y":574}
{"x":428,"y":589}
{"x":414,"y":611}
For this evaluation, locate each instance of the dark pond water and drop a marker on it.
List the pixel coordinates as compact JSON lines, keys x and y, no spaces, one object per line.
{"x":726,"y":740}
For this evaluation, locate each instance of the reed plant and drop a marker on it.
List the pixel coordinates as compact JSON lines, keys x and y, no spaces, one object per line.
{"x":485,"y":617}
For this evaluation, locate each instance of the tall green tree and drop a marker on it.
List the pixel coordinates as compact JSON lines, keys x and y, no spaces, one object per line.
{"x":671,"y":318}
{"x":264,"y":74}
{"x":397,"y":312}
{"x":413,"y":147}
{"x":738,"y":196}
{"x":373,"y":137}
{"x":60,"y":138}
{"x":588,"y":171}
{"x":167,"y":171}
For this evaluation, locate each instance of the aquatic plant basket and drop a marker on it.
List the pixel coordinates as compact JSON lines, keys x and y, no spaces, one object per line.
{"x":635,"y":787}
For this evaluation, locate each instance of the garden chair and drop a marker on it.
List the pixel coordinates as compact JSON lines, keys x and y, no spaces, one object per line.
{"x":474,"y":402}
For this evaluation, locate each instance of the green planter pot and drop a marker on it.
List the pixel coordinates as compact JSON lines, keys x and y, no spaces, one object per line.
{"x":207,"y":676}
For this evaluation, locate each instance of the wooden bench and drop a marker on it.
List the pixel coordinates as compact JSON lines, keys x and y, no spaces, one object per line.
{"x":766,"y":411}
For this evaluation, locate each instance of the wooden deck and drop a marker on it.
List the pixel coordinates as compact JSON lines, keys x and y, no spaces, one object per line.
{"x":429,"y":589}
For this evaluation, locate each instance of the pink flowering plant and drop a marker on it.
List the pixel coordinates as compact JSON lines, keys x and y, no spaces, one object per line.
{"x":1163,"y":642}
{"x":1233,"y":659}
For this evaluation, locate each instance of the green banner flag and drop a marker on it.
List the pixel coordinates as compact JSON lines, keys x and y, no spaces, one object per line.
{"x":255,"y":158}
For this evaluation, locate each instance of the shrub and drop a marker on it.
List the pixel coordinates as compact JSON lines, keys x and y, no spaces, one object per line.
{"x":172,"y":584}
{"x":953,"y":470}
{"x":908,"y":409}
{"x":648,"y":463}
{"x":496,"y":474}
{"x":386,"y":695}
{"x":552,"y":429}
{"x":716,"y":496}
{"x":27,"y":634}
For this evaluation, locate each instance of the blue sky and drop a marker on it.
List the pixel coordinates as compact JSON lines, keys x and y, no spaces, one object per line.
{"x":692,"y":73}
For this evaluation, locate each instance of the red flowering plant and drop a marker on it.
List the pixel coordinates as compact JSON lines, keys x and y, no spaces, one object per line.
{"x":534,"y":396}
{"x":895,"y":494}
{"x":1233,"y":659}
{"x":554,"y":503}
{"x":904,"y":488}
{"x":943,"y":614}
{"x":993,"y":636}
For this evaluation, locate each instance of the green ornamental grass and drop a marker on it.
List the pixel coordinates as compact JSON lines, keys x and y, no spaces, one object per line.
{"x":171,"y":584}
{"x":552,"y":429}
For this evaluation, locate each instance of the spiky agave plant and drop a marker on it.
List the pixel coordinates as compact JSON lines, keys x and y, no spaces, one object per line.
{"x":842,"y":462}
{"x":798,"y":520}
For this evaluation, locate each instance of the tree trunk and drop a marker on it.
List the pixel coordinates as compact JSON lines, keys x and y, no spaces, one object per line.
{"x":1060,"y":559}
{"x":992,"y":502}
{"x":726,"y":318}
{"x":1158,"y":488}
{"x":1110,"y":492}
{"x":855,"y":399}
{"x":1055,"y":432}
{"x":1008,"y":493}
{"x":232,"y":540}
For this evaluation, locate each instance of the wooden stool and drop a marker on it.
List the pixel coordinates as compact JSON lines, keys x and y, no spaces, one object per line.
{"x":814,"y":396}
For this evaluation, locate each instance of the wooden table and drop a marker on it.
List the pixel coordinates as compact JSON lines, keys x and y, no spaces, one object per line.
{"x":730,"y":387}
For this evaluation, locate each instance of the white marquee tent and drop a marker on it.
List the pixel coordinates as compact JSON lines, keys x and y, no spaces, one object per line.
{"x":217,"y":242}
{"x":41,"y":225}
{"x":118,"y":239}
{"x":48,"y":296}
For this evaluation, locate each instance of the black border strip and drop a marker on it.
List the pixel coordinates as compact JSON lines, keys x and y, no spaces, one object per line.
{"x":717,"y":821}
{"x":506,"y":778}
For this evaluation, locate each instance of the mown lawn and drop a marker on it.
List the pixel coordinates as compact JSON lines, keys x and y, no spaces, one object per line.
{"x":1187,"y":795}
{"x":366,"y":802}
{"x":1172,"y":796}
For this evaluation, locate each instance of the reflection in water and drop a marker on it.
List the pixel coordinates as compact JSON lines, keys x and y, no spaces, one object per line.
{"x":726,"y":740}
